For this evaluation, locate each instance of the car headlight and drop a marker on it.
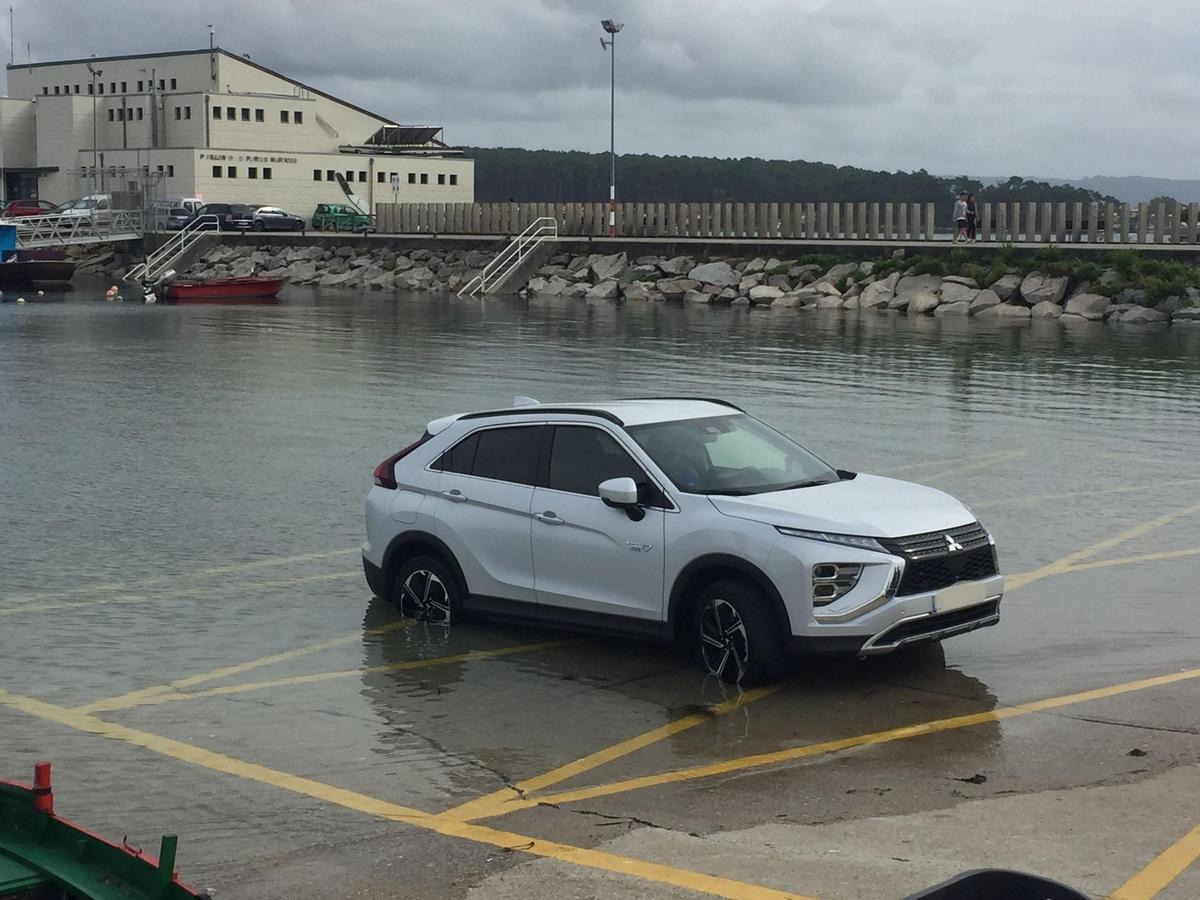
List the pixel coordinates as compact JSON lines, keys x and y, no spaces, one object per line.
{"x":846,"y":540}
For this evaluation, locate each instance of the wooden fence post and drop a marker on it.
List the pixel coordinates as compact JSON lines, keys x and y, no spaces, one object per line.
{"x":872,"y":221}
{"x":1143,"y":224}
{"x":1177,"y":224}
{"x":985,"y":223}
{"x":822,"y":220}
{"x":889,"y":215}
{"x":1193,"y":224}
{"x":1093,"y":216}
{"x":930,"y":222}
{"x":902,"y":222}
{"x":848,"y":222}
{"x":1160,"y":224}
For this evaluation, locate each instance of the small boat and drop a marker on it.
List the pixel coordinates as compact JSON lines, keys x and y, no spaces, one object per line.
{"x":45,"y":855}
{"x":223,"y":290}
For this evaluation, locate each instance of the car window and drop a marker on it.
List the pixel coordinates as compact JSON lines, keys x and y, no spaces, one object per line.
{"x":178,"y":211}
{"x":461,"y":457}
{"x":582,"y":457}
{"x":508,"y":454}
{"x":241,"y":210}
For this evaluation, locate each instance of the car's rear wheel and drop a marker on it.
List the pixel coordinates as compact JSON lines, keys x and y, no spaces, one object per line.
{"x":424,"y":588}
{"x":258,"y":225}
{"x":735,"y":635}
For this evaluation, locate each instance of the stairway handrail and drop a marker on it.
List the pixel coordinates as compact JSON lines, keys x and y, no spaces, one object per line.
{"x":183,"y":240}
{"x":540,"y":229}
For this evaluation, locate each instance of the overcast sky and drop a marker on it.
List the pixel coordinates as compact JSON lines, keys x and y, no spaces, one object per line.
{"x":1035,"y":87}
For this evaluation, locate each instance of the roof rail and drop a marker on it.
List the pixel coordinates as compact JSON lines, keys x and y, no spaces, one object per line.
{"x":697,"y":399}
{"x":565,"y":410}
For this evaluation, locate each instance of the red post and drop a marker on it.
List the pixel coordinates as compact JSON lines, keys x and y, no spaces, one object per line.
{"x":43,"y":796}
{"x":612,"y":218}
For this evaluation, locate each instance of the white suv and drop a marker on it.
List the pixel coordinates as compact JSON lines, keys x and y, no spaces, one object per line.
{"x":675,"y":519}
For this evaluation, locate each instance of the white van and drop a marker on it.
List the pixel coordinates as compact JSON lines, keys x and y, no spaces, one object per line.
{"x":95,"y":209}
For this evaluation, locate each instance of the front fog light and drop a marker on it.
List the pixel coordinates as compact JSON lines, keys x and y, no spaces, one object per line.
{"x":831,"y":581}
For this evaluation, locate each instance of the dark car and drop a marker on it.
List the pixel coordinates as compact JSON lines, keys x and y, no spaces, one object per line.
{"x":272,"y":218}
{"x":230,"y":216}
{"x":177,"y":217}
{"x":28,"y":208}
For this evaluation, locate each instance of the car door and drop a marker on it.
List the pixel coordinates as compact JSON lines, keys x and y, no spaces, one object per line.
{"x":588,"y":558}
{"x":482,"y":512}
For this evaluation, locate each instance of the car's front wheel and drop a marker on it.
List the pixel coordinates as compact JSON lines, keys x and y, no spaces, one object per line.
{"x":424,"y":588}
{"x":735,"y":635}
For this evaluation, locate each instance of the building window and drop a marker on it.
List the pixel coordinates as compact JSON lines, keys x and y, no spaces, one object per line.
{"x":101,"y":88}
{"x":298,"y":117}
{"x":259,"y":115}
{"x":316,"y":174}
{"x":231,"y":113}
{"x":160,"y":168}
{"x":112,"y":87}
{"x":66,"y":89}
{"x":330,"y":175}
{"x":170,"y":171}
{"x":173,"y":84}
{"x":379,"y":177}
{"x":45,"y":89}
{"x":56,"y":89}
{"x":140,"y":85}
{"x":362,"y":176}
{"x":75,"y":89}
{"x":412,"y":177}
{"x":266,"y":173}
{"x":162,"y":84}
{"x":424,"y":178}
{"x":111,"y":115}
{"x":216,"y":112}
{"x":350,"y":177}
{"x":187,"y":112}
{"x":283,"y":117}
{"x":454,"y":179}
{"x":441,"y":179}
{"x":216,"y":171}
{"x":231,"y":171}
{"x":124,"y":87}
{"x":91,"y":89}
{"x":252,"y":171}
{"x":245,"y":114}
{"x":178,"y":114}
{"x":139,"y":114}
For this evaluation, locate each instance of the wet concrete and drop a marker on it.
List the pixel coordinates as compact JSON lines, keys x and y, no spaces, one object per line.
{"x":182,"y":493}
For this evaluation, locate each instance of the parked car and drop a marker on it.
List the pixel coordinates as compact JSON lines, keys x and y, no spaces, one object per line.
{"x":272,"y":218}
{"x":340,"y":217}
{"x":94,"y":209}
{"x":20,"y":208}
{"x":677,"y":519}
{"x":230,"y":216}
{"x":177,"y":217}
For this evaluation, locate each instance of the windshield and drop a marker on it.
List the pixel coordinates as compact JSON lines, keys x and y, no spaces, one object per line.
{"x":81,"y":204}
{"x":734,"y":455}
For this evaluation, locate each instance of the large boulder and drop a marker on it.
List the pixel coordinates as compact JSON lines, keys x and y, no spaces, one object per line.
{"x":694,"y":296}
{"x":678,"y":265}
{"x":1187,"y":314}
{"x":826,"y":288}
{"x":922,"y":301}
{"x":1038,"y":287}
{"x":840,"y":271}
{"x":636,"y":291}
{"x":1046,"y":310}
{"x":606,"y":268}
{"x":985,"y":299}
{"x":787,"y":301}
{"x":1090,"y":306}
{"x":830,"y":301}
{"x":959,"y":308}
{"x":750,"y":281}
{"x":1006,"y":286}
{"x":757,"y":264}
{"x":1143,"y":315}
{"x":555,"y":285}
{"x":957,"y":292}
{"x":714,"y":273}
{"x":910,"y":284}
{"x":1004,"y":311}
{"x":675,"y":288}
{"x":605,"y":290}
{"x":764,"y":293}
{"x":780,"y":281}
{"x":336,"y":279}
{"x":960,"y":279}
{"x":876,"y":294}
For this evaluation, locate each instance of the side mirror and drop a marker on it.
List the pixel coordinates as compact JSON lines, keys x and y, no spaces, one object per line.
{"x":622,"y":493}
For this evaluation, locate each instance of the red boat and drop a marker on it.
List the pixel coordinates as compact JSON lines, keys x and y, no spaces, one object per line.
{"x":224,"y":290}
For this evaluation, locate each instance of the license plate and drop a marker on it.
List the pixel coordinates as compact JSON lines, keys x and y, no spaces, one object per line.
{"x":966,"y":593}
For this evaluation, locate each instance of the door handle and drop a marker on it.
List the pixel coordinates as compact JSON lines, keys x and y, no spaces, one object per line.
{"x":549,"y":518}
{"x":455,"y":496}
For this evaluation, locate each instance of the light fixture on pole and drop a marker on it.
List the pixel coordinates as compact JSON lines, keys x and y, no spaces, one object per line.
{"x":612,"y":28}
{"x":96,"y":73}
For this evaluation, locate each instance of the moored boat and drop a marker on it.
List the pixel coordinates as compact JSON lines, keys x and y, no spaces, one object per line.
{"x":223,"y":290}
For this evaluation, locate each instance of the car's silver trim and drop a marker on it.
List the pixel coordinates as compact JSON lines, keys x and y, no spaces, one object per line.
{"x":871,"y":648}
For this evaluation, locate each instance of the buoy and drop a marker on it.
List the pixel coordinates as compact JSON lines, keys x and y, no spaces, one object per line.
{"x":119,"y":298}
{"x":41,"y":293}
{"x":20,"y":299}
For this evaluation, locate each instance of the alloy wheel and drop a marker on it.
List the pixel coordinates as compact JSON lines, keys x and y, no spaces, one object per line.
{"x":423,"y":596}
{"x":724,"y":645}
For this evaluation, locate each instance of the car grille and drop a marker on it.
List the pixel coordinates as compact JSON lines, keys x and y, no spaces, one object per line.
{"x":931,"y":565}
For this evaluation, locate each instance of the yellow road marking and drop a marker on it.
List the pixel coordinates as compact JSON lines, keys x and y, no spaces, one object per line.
{"x":146,"y":698}
{"x":160,"y":579}
{"x":138,"y":697}
{"x":204,"y":591}
{"x":957,"y":462}
{"x":489,"y":804}
{"x":1127,"y":560}
{"x":219,"y":762}
{"x":1124,"y":489}
{"x":776,"y":757}
{"x":1064,"y":564}
{"x":977,"y":465}
{"x":1162,"y":870}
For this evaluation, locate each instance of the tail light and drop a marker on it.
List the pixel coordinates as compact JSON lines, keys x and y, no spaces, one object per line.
{"x":385,"y":472}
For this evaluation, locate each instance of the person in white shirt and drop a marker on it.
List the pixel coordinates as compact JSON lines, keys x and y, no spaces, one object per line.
{"x":960,"y":217}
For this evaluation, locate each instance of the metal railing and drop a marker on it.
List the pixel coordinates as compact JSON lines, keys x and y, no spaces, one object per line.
{"x":57,"y":230}
{"x":165,"y":256}
{"x":541,"y":229}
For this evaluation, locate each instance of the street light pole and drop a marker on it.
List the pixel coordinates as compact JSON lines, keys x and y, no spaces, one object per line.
{"x":96,"y":73}
{"x":612,"y":28}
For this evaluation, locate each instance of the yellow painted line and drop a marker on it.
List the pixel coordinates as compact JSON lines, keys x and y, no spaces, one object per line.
{"x":957,"y":462}
{"x":1065,"y":563}
{"x":875,"y":738}
{"x":160,"y":579}
{"x":1128,"y":560}
{"x":1100,"y":492}
{"x":977,"y":465}
{"x":208,"y":591}
{"x":171,"y":696}
{"x":492,"y":804}
{"x":1162,"y":870}
{"x":307,"y":787}
{"x":138,"y":697}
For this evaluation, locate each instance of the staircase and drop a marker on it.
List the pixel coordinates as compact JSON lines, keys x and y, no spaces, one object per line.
{"x":178,"y":247}
{"x":526,"y":253}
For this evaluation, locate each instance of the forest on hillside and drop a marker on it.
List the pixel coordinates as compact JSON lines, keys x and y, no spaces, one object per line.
{"x":505,"y":173}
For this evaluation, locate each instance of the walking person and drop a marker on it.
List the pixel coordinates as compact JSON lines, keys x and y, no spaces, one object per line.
{"x":960,"y":217}
{"x":972,"y":218}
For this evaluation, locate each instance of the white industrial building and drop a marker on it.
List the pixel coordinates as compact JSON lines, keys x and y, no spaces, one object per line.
{"x":216,"y":126}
